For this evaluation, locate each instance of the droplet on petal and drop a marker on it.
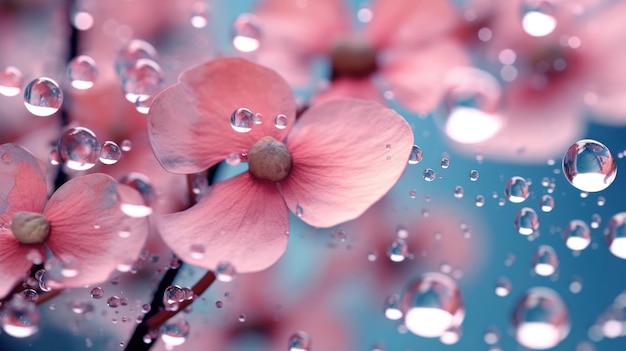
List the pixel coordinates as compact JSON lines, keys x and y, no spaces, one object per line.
{"x":82,"y":72}
{"x":79,"y":148}
{"x":43,"y":97}
{"x":431,"y":305}
{"x":10,"y":81}
{"x":541,"y":319}
{"x":242,"y":120}
{"x":589,"y":166}
{"x":280,"y":122}
{"x":246,"y":33}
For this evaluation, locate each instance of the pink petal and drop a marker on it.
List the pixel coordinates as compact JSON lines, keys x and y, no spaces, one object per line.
{"x":14,"y":260}
{"x":189,"y":123}
{"x":23,"y":184}
{"x":405,"y":23}
{"x":241,"y":221}
{"x":346,"y":87}
{"x":347,"y":154}
{"x":416,"y":77}
{"x":304,"y":27}
{"x":89,"y":231}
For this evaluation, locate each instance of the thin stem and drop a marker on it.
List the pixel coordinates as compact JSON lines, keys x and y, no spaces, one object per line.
{"x":204,"y":283}
{"x":48,"y":296}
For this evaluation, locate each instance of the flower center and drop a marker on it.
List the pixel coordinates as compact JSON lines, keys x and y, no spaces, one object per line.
{"x":352,"y":59}
{"x":269,"y":159}
{"x":30,"y":228}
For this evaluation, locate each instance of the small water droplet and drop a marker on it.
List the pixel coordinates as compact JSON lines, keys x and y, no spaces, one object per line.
{"x":392,"y":307}
{"x":242,"y":318}
{"x":20,"y":318}
{"x":43,"y":97}
{"x":429,"y":174}
{"x":10,"y":81}
{"x":577,"y":235}
{"x":398,"y":250}
{"x":445,"y":162}
{"x":142,"y":80}
{"x":545,"y":261}
{"x":174,"y":333}
{"x":199,"y":14}
{"x":30,"y":295}
{"x":526,"y":221}
{"x":246,"y":33}
{"x":458,"y":191}
{"x":126,"y":145}
{"x":299,"y":211}
{"x":82,"y":72}
{"x":97,"y":293}
{"x":110,"y":153}
{"x":299,"y":341}
{"x":416,"y":155}
{"x":479,"y":201}
{"x":595,"y":221}
{"x":615,"y":234}
{"x":130,"y":53}
{"x":113,"y":302}
{"x":225,"y":272}
{"x":79,"y":148}
{"x":516,"y":189}
{"x":280,"y":122}
{"x":474,"y":175}
{"x":242,"y":120}
{"x":546,"y":203}
{"x":503,"y":287}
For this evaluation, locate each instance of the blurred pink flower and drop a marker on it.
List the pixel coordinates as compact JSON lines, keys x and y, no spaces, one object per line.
{"x":82,"y":223}
{"x":558,"y":66}
{"x":407,"y":43}
{"x":328,"y":168}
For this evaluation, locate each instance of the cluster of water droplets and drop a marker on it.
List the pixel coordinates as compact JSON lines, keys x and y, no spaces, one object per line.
{"x":79,"y":149}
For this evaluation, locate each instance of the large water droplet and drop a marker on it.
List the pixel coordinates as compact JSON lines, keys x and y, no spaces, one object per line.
{"x":545,"y":261}
{"x":82,"y":72}
{"x":10,"y":81}
{"x":43,"y":97}
{"x":246,"y":33}
{"x":79,"y":149}
{"x":577,"y":235}
{"x":431,"y":305}
{"x":173,"y":295}
{"x":174,"y":333}
{"x":589,"y":166}
{"x":142,"y":80}
{"x":471,"y":105}
{"x":299,"y":341}
{"x":538,"y":17}
{"x":615,"y":233}
{"x":516,"y":189}
{"x":416,"y":155}
{"x":20,"y":318}
{"x":110,"y":153}
{"x":526,"y":221}
{"x":242,"y":120}
{"x":541,"y":319}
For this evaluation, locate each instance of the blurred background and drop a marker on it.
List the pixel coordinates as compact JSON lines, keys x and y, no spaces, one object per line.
{"x":493,"y":90}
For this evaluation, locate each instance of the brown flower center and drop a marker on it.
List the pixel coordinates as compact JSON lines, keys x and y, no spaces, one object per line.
{"x":30,"y":228}
{"x":269,"y":159}
{"x":352,"y":59}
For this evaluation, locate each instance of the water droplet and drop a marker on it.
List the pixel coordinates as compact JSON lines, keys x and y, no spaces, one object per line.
{"x":458,"y":191}
{"x":174,"y":333}
{"x":392,"y":307}
{"x":412,"y":193}
{"x":142,"y":80}
{"x":538,"y":17}
{"x":577,"y":235}
{"x":19,"y":318}
{"x":110,"y":153}
{"x":503,"y":287}
{"x":79,"y":148}
{"x":141,"y":183}
{"x":540,"y":319}
{"x":258,"y":118}
{"x":492,"y":336}
{"x":372,"y":256}
{"x":429,"y":174}
{"x":97,"y":293}
{"x":113,"y":302}
{"x":615,"y":233}
{"x":43,"y":97}
{"x":416,"y":155}
{"x":30,"y":295}
{"x":299,"y":341}
{"x":242,"y":318}
{"x":545,"y":261}
{"x":576,"y":285}
{"x":451,"y":336}
{"x":225,"y":272}
{"x":479,"y":201}
{"x":589,"y":166}
{"x":246,"y":33}
{"x":82,"y":72}
{"x":474,"y":175}
{"x":517,"y":189}
{"x":431,"y":305}
{"x":595,"y":221}
{"x":299,"y":211}
{"x":398,"y":250}
{"x":11,"y":81}
{"x":280,"y":122}
{"x":145,"y":308}
{"x":445,"y":162}
{"x":601,"y":201}
{"x":546,"y":203}
{"x":242,"y":120}
{"x":143,"y":104}
{"x":471,"y":105}
{"x":129,"y":54}
{"x":173,"y":295}
{"x":526,"y":221}
{"x":199,"y":14}
{"x":219,"y":304}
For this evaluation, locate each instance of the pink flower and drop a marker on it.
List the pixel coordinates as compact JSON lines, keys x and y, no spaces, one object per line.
{"x":407,"y":43}
{"x":328,"y":168}
{"x":82,"y":223}
{"x":558,"y":66}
